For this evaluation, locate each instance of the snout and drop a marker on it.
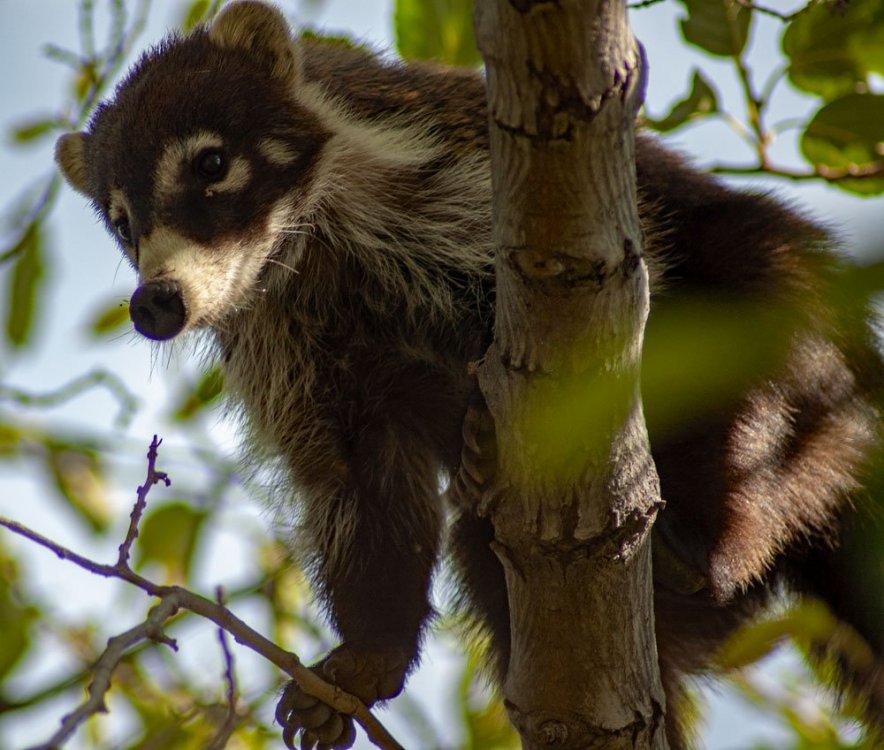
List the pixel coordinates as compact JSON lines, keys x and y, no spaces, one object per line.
{"x":157,"y":309}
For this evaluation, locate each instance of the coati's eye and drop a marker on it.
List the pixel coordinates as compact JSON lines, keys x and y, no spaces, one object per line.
{"x":124,"y":232}
{"x":211,"y":164}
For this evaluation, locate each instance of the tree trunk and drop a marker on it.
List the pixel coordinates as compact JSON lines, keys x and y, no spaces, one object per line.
{"x":577,"y":490}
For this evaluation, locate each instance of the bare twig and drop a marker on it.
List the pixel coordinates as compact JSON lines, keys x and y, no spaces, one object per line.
{"x":219,"y":741}
{"x":153,"y":476}
{"x":643,"y":4}
{"x":173,"y":598}
{"x":152,"y":629}
{"x":820,"y":172}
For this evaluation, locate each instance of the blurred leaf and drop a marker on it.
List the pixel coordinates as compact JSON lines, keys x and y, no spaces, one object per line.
{"x":721,"y":27}
{"x":335,"y":40}
{"x":24,"y":286}
{"x":830,"y":52}
{"x":484,"y":717}
{"x":79,"y":477}
{"x":203,"y":394}
{"x":169,"y":536}
{"x":753,"y":642}
{"x":15,"y":618}
{"x":700,"y":354}
{"x":440,"y":30}
{"x":85,"y":81}
{"x":848,"y":133}
{"x":114,"y":316}
{"x":31,"y":131}
{"x":701,"y":101}
{"x":195,"y":14}
{"x":10,"y":438}
{"x":810,"y":624}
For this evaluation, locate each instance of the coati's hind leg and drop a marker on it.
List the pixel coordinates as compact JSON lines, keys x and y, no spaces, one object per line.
{"x":377,"y":535}
{"x":482,"y":583}
{"x":482,"y":591}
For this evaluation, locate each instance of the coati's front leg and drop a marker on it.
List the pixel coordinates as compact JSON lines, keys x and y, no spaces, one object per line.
{"x":374,"y":519}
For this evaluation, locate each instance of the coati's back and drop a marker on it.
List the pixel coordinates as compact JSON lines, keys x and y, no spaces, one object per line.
{"x":326,"y":215}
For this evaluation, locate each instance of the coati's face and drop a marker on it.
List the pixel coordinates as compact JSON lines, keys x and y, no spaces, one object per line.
{"x":199,"y":166}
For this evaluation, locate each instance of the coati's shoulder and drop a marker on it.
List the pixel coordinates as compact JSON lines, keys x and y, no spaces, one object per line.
{"x":378,"y":87}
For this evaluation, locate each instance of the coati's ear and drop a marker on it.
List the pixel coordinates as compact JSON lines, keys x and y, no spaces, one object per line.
{"x":70,"y":155}
{"x":262,"y":31}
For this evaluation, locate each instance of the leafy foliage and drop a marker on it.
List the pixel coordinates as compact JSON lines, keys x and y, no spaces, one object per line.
{"x":832,"y":51}
{"x":440,"y":30}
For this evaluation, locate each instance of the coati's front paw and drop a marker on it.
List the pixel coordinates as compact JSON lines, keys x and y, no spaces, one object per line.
{"x":478,"y":458}
{"x":365,"y":671}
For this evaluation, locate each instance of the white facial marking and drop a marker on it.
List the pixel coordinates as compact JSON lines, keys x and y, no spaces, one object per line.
{"x":214,"y":279}
{"x":237,"y":178}
{"x":278,"y":152}
{"x":167,"y":174}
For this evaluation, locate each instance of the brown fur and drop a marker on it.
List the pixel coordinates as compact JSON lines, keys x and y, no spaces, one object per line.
{"x":343,"y":263}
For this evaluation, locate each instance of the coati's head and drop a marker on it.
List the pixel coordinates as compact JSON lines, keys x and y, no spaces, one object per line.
{"x":198,"y":165}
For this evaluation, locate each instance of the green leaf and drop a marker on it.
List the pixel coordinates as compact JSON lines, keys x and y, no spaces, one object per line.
{"x":440,"y":30}
{"x":31,"y":131}
{"x":700,"y":102}
{"x":847,"y":134}
{"x":195,"y":14}
{"x":169,"y":536}
{"x":79,"y":477}
{"x":86,"y":80}
{"x":24,"y":287}
{"x":112,"y":317}
{"x":15,"y":618}
{"x":832,"y":53}
{"x":721,"y":27}
{"x":202,"y":395}
{"x":484,"y":717}
{"x":10,"y":440}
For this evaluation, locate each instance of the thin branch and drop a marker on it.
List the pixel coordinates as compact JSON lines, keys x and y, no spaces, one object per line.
{"x":820,"y":172}
{"x":153,"y":477}
{"x":128,"y":403}
{"x":173,"y":598}
{"x":74,"y":680}
{"x":644,"y":4}
{"x":219,"y":741}
{"x":150,"y":629}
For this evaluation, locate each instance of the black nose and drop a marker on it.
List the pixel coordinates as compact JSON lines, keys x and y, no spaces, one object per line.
{"x":157,"y":310}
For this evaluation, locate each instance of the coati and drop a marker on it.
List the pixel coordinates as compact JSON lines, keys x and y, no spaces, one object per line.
{"x":325,"y":215}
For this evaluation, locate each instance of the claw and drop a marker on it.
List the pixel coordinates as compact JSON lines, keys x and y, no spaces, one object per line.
{"x":288,"y":735}
{"x":315,"y":716}
{"x":348,"y":735}
{"x":331,"y":730}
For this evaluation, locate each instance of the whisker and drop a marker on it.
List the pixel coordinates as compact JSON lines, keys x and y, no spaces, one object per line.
{"x":279,"y":263}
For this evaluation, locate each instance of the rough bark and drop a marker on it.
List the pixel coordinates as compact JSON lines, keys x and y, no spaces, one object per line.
{"x":577,"y":490}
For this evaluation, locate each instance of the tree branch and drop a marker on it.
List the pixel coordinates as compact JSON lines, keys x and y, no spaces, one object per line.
{"x":576,"y":488}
